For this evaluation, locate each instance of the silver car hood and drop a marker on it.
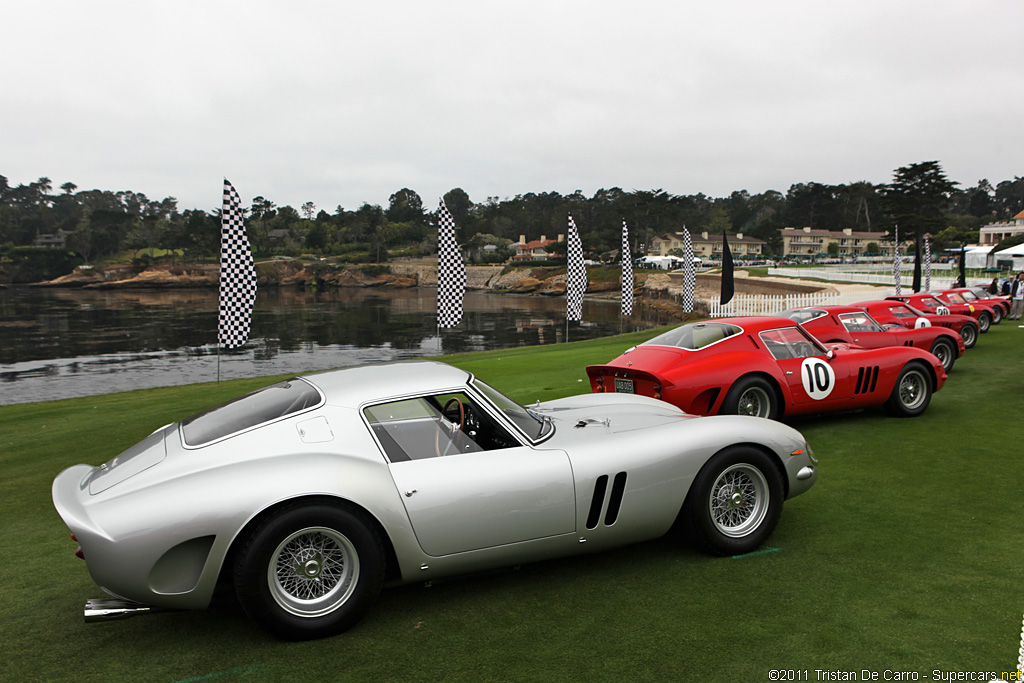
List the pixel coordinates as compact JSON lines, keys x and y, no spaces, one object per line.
{"x":611,"y":413}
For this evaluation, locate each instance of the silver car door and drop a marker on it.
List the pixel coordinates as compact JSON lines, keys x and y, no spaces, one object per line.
{"x":469,"y":501}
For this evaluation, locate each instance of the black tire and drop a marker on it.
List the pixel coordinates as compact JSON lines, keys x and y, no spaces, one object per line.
{"x":734,"y":503}
{"x":984,"y":321}
{"x":945,"y":351}
{"x":969,"y":332}
{"x":912,"y":393}
{"x":997,"y":315}
{"x":750,"y":395}
{"x":287,"y":584}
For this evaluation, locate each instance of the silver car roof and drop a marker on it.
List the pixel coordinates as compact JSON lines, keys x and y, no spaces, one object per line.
{"x":352,"y":387}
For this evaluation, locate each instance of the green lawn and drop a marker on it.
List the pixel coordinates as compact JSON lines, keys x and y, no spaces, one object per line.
{"x":905,"y":556}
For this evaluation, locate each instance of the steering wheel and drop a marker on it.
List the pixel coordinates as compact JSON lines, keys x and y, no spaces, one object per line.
{"x":444,"y":413}
{"x":451,"y":418}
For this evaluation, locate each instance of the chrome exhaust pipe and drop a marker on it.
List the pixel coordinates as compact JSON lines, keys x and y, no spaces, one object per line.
{"x":108,"y":609}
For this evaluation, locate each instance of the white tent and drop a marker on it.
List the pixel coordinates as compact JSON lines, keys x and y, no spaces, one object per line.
{"x":977,"y":257}
{"x":1014,"y":255}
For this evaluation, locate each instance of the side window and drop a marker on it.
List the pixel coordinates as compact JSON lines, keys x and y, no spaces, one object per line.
{"x":902,"y":312}
{"x":789,"y":342}
{"x":858,"y":322}
{"x":435,"y":426}
{"x":776,"y":345}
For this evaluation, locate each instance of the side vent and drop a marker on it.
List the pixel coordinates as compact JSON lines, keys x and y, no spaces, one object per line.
{"x":867,"y":378}
{"x":618,"y":487}
{"x":614,"y":500}
{"x":598,"y":500}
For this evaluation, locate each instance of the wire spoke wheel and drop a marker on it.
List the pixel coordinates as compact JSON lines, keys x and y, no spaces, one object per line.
{"x":313,"y":571}
{"x":913,"y":390}
{"x":970,"y":335}
{"x":944,"y":351}
{"x":739,"y":500}
{"x":754,"y":402}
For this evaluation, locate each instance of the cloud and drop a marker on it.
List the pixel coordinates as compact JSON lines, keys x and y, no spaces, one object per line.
{"x":340,"y":104}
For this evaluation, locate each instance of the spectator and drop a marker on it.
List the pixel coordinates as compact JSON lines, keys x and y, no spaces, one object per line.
{"x":1017,"y":297}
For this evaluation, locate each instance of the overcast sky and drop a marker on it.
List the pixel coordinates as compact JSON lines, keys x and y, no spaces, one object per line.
{"x":343,"y":102}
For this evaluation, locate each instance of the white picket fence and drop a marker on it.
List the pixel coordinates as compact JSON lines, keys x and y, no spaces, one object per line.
{"x":880,"y":278}
{"x":770,"y":304}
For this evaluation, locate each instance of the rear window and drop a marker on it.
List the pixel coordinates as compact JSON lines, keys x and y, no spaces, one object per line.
{"x":802,"y":315}
{"x":259,"y":407}
{"x":694,"y":336}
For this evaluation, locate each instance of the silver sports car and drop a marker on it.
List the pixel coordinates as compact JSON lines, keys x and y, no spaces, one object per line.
{"x":312,"y":493}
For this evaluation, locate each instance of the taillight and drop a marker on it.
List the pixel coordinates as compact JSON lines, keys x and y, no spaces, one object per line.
{"x":600,"y":384}
{"x":657,"y":391}
{"x":78,"y":551}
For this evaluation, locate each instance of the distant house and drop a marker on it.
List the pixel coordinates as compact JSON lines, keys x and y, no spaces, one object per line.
{"x":850,"y":244}
{"x":708,"y":246}
{"x":535,"y":250}
{"x":994,"y":233}
{"x":55,"y":241}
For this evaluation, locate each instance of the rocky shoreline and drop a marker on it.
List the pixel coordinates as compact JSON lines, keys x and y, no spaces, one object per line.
{"x":293,"y":273}
{"x":654,"y":289}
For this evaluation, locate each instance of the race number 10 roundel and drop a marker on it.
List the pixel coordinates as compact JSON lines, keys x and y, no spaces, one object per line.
{"x":818,"y":378}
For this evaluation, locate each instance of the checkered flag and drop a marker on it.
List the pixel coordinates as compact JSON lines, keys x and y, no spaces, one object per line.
{"x":576,"y":279}
{"x":689,"y":272}
{"x":451,"y":271}
{"x":627,"y":273}
{"x":897,"y":262}
{"x":927,"y":265}
{"x":237,"y":274}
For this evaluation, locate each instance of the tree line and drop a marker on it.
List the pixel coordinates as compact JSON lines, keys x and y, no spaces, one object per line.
{"x":98,"y":224}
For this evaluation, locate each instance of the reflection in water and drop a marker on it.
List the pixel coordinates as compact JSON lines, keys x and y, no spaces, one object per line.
{"x":61,"y":343}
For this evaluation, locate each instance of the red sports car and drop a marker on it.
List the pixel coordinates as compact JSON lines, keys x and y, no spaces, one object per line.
{"x":854,"y":325}
{"x":926,"y":301}
{"x":769,"y":367}
{"x":956,"y":296}
{"x":1000,"y":307}
{"x":982,"y":293}
{"x":898,"y":313}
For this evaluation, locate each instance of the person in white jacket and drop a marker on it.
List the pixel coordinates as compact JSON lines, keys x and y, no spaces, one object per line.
{"x":1017,"y":297}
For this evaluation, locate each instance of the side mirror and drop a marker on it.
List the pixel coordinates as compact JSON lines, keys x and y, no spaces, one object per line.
{"x":831,"y":354}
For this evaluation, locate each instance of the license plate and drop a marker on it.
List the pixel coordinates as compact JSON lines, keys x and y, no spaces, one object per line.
{"x":624,"y":386}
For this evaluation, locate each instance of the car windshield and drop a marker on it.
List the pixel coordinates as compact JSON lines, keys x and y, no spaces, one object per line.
{"x":968,"y":296}
{"x":694,"y":336}
{"x":256,"y":408}
{"x":532,"y":424}
{"x":802,"y":315}
{"x":931,"y":302}
{"x":955,"y":298}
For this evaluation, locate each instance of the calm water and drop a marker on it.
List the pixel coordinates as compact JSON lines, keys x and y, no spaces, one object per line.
{"x":63,"y":343}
